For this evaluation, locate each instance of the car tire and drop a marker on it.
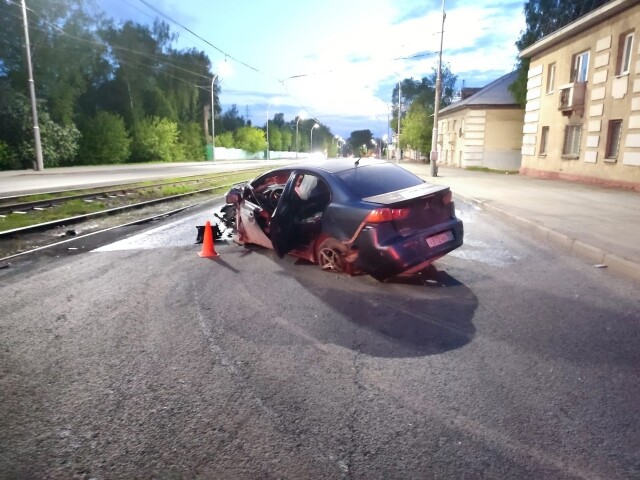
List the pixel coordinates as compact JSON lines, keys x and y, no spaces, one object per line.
{"x":330,"y":254}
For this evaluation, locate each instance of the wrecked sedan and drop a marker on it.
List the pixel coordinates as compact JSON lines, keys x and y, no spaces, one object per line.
{"x":353,"y":216}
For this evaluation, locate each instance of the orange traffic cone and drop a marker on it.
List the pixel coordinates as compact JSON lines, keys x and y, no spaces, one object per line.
{"x":208,"y":250}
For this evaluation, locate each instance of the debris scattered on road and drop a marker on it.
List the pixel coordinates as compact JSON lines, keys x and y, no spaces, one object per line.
{"x":600,"y":265}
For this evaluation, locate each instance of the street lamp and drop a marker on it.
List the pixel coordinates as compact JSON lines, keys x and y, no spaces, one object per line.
{"x":226,"y":69}
{"x":311,"y":140}
{"x":375,"y":144}
{"x":301,"y":116}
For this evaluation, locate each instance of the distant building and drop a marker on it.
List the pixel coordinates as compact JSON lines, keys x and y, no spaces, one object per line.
{"x":582,"y":118}
{"x":483,"y":129}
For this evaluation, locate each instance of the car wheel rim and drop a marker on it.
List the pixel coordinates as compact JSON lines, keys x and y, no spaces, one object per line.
{"x":330,"y":260}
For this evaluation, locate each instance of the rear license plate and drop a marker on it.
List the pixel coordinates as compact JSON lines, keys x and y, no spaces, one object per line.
{"x":439,"y":239}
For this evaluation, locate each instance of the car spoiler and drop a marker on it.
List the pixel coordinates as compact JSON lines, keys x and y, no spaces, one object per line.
{"x":422,"y":190}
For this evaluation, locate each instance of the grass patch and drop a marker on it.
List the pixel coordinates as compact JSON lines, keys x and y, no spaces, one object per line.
{"x":491,"y":170}
{"x":69,"y":209}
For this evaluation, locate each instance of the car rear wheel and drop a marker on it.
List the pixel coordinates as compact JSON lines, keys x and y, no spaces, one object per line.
{"x":330,"y":255}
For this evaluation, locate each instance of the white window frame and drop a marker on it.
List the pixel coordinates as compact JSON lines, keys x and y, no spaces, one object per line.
{"x":627,"y":53}
{"x":551,"y":78}
{"x":581,"y":67}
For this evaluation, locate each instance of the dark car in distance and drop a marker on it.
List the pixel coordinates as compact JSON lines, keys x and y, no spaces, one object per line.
{"x":347,"y":215}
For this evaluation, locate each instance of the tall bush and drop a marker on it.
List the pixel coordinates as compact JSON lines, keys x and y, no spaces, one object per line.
{"x":155,"y":140}
{"x":192,"y":141}
{"x":59,"y":142}
{"x":104,"y":140}
{"x":225,"y":140}
{"x":8,"y":158}
{"x":250,"y":139}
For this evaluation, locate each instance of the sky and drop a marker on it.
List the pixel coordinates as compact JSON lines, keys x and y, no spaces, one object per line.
{"x":335,"y":60}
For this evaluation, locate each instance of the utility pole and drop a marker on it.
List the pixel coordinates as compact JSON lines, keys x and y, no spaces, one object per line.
{"x":39,"y":165}
{"x":434,"y":137}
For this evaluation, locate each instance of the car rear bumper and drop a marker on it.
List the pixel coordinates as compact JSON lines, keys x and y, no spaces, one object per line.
{"x":393,"y":255}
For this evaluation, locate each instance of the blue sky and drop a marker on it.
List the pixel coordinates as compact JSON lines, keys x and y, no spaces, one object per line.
{"x":346,"y":55}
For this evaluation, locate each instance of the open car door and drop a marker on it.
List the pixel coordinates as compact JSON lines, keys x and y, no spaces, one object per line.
{"x":281,"y":225}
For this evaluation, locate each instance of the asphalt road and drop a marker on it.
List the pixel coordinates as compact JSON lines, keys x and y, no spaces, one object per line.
{"x":22,"y":182}
{"x":140,"y":359}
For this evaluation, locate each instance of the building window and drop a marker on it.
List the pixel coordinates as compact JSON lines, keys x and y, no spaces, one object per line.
{"x":614,"y":132}
{"x":551,"y":77}
{"x":544,"y":139}
{"x":625,"y":50}
{"x":572,"y":138}
{"x":580,"y":67}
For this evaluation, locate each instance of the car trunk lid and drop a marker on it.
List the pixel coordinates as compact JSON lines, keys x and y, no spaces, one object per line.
{"x":417,"y":207}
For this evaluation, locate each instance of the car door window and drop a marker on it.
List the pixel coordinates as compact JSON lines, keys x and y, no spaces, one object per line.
{"x":312,"y":194}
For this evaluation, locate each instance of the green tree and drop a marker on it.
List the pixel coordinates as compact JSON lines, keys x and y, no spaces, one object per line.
{"x":65,"y":49}
{"x":275,"y":137}
{"x":250,"y":139}
{"x":423,"y":90}
{"x":360,"y":139}
{"x":231,"y":120}
{"x":104,"y":140}
{"x":417,"y":127}
{"x":287,"y":139}
{"x":225,"y":140}
{"x":8,"y":157}
{"x":543,"y":17}
{"x":191,"y":141}
{"x":156,"y":140}
{"x":59,"y":142}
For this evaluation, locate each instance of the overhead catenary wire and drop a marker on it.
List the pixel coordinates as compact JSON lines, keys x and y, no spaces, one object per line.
{"x":163,"y":60}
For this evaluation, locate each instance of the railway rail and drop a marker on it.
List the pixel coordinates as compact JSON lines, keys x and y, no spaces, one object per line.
{"x":13,"y":204}
{"x":37,"y":232}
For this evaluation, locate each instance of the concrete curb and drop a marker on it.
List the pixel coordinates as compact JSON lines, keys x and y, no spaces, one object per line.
{"x":565,"y":243}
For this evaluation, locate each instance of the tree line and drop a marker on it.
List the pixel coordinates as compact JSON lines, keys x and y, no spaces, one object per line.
{"x":113,"y":93}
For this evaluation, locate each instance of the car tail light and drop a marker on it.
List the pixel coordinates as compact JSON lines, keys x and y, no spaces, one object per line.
{"x":446,"y":200}
{"x":380,"y":215}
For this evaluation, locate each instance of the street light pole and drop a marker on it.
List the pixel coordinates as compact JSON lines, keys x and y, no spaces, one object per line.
{"x":434,"y":136}
{"x":213,"y":120}
{"x":39,"y":165}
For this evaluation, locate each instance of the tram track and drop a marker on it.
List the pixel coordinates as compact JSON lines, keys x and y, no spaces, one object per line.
{"x":36,"y":237}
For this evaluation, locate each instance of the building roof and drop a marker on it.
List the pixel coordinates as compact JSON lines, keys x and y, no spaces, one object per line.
{"x":495,"y":94}
{"x":583,"y":23}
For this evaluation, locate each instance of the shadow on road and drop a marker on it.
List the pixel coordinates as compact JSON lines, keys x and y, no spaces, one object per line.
{"x":424,"y":314}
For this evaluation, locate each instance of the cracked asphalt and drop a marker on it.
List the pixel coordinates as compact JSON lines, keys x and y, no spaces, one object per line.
{"x":142,"y":360}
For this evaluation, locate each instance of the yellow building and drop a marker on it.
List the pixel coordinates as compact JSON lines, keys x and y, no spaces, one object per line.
{"x":483,"y":129}
{"x":582,"y":119}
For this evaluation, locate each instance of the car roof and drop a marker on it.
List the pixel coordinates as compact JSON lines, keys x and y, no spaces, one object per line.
{"x":335,"y":165}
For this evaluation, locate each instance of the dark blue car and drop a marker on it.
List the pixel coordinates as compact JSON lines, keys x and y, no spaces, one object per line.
{"x":354,"y":216}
